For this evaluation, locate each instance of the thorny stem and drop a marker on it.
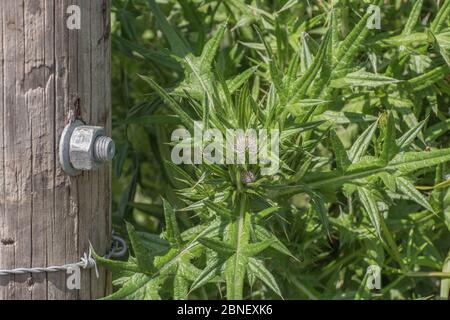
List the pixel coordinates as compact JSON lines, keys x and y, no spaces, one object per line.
{"x":232,"y":294}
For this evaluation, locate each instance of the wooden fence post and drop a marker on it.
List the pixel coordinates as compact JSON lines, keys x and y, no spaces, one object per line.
{"x":49,"y":72}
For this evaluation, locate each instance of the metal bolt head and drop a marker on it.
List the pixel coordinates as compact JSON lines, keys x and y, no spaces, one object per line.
{"x":84,"y":148}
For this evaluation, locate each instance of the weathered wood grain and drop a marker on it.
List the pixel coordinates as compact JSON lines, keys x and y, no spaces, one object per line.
{"x":47,"y":73}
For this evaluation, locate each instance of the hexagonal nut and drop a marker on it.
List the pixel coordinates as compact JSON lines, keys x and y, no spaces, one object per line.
{"x":82,"y":144}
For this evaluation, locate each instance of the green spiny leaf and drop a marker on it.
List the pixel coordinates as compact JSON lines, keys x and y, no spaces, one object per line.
{"x":371,"y":208}
{"x":408,"y":189}
{"x":222,"y":248}
{"x":172,"y":231}
{"x":342,"y":160}
{"x":362,"y":143}
{"x":439,"y":22}
{"x":143,"y":256}
{"x":259,"y":270}
{"x":390,"y":147}
{"x":177,"y":44}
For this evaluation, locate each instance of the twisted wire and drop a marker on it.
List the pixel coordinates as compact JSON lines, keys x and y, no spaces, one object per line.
{"x":118,"y":249}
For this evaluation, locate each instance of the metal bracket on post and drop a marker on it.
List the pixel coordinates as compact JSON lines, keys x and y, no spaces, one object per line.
{"x":83,"y":147}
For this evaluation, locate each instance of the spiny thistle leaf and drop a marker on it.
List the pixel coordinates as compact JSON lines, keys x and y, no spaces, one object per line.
{"x":439,"y":22}
{"x":172,"y":231}
{"x":371,"y":208}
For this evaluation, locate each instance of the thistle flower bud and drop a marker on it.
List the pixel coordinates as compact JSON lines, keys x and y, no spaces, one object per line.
{"x":247,"y":177}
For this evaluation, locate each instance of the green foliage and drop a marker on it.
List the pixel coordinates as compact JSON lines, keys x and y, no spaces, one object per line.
{"x":364,"y":153}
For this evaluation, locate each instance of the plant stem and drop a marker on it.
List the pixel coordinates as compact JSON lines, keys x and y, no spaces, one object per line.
{"x":445,"y":283}
{"x":444,"y":275}
{"x":237,"y":264}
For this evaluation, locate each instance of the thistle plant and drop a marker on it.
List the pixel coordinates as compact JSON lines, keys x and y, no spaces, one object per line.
{"x":363,"y":124}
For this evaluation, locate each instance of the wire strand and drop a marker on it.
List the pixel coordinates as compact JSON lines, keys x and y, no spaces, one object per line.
{"x":118,"y":249}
